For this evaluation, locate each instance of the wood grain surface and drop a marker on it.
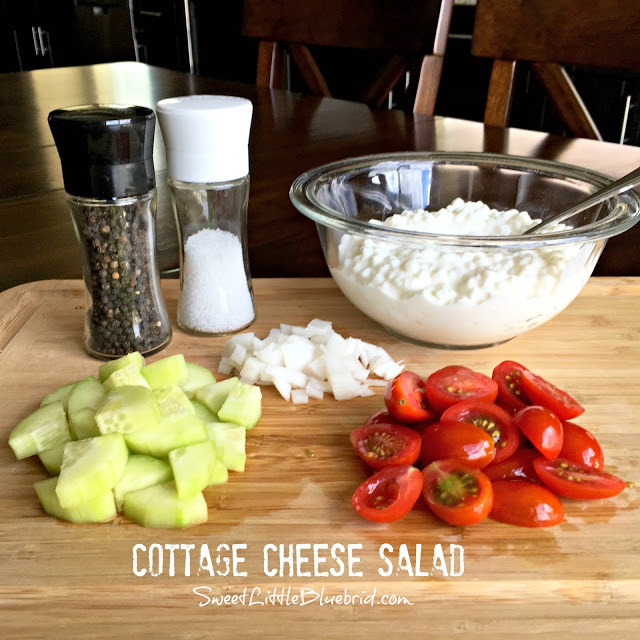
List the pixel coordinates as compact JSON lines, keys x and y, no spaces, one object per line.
{"x":77,"y":581}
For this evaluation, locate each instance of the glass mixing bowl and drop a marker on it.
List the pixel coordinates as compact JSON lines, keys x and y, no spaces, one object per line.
{"x":457,"y":291}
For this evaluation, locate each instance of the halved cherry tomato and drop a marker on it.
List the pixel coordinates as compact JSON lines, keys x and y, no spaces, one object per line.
{"x":525,"y":504}
{"x":508,"y":375}
{"x":577,"y":481}
{"x":518,"y":466}
{"x":456,"y":492}
{"x":460,"y":440}
{"x":542,"y":392}
{"x":389,"y":494}
{"x":383,"y":445}
{"x":581,"y":446}
{"x":405,"y":398}
{"x":380,"y":416}
{"x":543,"y":429}
{"x":453,"y":384}
{"x":492,"y":419}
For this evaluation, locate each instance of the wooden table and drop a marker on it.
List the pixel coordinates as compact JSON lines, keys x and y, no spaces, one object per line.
{"x":290,"y":134}
{"x":582,"y":577}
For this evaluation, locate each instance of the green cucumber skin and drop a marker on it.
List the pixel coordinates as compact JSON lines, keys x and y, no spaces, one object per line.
{"x":43,"y":429}
{"x":106,"y":369}
{"x":193,"y":466}
{"x":82,"y":424}
{"x":242,"y":406}
{"x":85,"y":394}
{"x":52,"y":458}
{"x":171,"y":433}
{"x":166,"y":372}
{"x":102,"y":508}
{"x":197,"y":377}
{"x":141,"y":472}
{"x":60,"y":394}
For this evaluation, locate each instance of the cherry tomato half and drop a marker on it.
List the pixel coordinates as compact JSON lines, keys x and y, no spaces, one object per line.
{"x":460,"y":440}
{"x":492,"y":419}
{"x":542,"y":428}
{"x":453,"y":384}
{"x":380,"y":416}
{"x":383,"y":445}
{"x":542,"y":392}
{"x":508,"y":376}
{"x":525,"y":504}
{"x":405,"y":398}
{"x":389,"y":494}
{"x":577,"y":481}
{"x":581,"y":446}
{"x":456,"y":492}
{"x":518,"y":466}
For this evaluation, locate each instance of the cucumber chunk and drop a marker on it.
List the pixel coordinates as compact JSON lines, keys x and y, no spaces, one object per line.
{"x":219,"y":474}
{"x":166,"y":372}
{"x":173,"y":402}
{"x":230,"y":440}
{"x":52,"y":458}
{"x":242,"y":406}
{"x":171,"y":433}
{"x":127,"y":376}
{"x":85,"y":394}
{"x":141,"y":472}
{"x":127,"y":410}
{"x":197,"y":377}
{"x":82,"y":424}
{"x":214,"y":395}
{"x":159,"y":506}
{"x":106,"y":369}
{"x":44,"y":429}
{"x":193,"y":467}
{"x":204,"y":413}
{"x":60,"y":394}
{"x":99,"y":509}
{"x":90,"y":468}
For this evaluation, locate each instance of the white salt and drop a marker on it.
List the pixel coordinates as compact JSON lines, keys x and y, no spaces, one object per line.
{"x":215,"y":293}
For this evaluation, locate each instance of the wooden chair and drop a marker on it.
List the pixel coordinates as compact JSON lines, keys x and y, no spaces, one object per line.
{"x":414,"y":32}
{"x":549,"y":34}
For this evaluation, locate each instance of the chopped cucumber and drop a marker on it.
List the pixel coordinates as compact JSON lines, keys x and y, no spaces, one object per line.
{"x":242,"y":406}
{"x":106,"y":369}
{"x":173,"y":402}
{"x":90,"y":468}
{"x":127,"y":410}
{"x":60,"y":394}
{"x":204,"y":413}
{"x":82,"y":424}
{"x":214,"y":395}
{"x":166,"y":372}
{"x":52,"y":458}
{"x":193,"y":467}
{"x":44,"y":429}
{"x":99,"y":509}
{"x":219,"y":474}
{"x":141,"y":472}
{"x":159,"y":506}
{"x":85,"y":394}
{"x":230,"y":440}
{"x":127,"y":376}
{"x":171,"y":433}
{"x":197,"y":377}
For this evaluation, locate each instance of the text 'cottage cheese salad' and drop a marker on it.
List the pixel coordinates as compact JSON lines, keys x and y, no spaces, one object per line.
{"x":448,"y":296}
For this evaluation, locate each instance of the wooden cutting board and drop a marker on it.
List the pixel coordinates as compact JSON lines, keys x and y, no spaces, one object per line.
{"x":64,"y":580}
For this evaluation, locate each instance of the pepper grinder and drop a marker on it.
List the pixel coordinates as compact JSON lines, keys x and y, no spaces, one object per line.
{"x":106,"y":152}
{"x":206,"y":140}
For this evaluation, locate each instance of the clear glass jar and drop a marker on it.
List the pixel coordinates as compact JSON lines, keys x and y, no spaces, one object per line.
{"x":125,"y":310}
{"x":216,"y":296}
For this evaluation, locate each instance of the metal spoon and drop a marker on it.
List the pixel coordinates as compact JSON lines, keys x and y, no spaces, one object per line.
{"x":619,"y":186}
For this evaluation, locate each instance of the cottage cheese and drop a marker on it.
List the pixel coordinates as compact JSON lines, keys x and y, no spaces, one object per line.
{"x":449,"y":296}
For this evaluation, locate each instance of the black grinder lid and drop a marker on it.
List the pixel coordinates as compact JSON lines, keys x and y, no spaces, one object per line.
{"x":106,"y":150}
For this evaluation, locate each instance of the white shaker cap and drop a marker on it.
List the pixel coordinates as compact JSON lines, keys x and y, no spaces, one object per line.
{"x":206,"y":138}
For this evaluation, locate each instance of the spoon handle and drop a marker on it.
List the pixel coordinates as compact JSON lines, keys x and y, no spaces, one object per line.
{"x":619,"y":186}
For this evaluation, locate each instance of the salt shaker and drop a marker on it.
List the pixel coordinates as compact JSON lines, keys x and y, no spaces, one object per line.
{"x":106,"y":152}
{"x":206,"y":140}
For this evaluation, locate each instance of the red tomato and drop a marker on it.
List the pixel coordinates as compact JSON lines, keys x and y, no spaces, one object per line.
{"x":383,"y":445}
{"x":542,"y":392}
{"x":389,"y":494}
{"x":508,"y":376}
{"x":456,"y":492}
{"x":380,"y":416}
{"x":519,"y":466}
{"x":581,"y":446}
{"x":453,"y":384}
{"x":459,"y":440}
{"x":405,"y":399}
{"x":543,"y":429}
{"x":577,"y":481}
{"x":525,"y":504}
{"x":492,"y":419}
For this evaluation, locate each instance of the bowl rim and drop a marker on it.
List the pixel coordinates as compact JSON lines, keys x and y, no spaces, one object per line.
{"x":622,"y":217}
